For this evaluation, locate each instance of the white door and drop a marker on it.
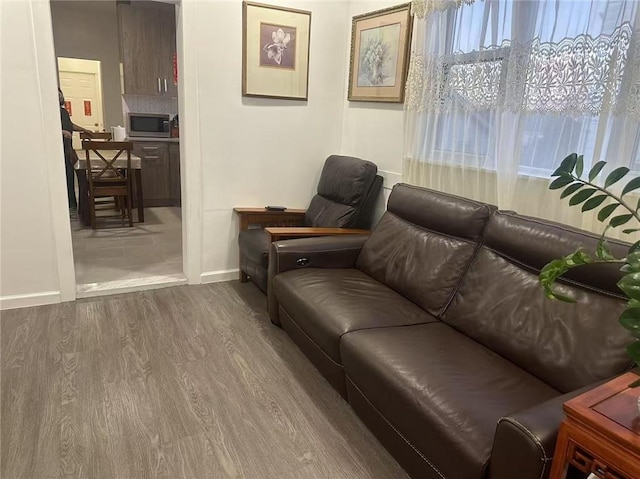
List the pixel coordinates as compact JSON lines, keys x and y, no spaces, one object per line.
{"x":82,"y":88}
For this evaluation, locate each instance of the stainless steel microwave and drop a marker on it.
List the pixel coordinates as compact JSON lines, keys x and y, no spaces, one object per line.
{"x":149,"y":125}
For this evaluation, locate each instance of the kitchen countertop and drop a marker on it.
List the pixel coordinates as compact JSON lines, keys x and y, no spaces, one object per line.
{"x":158,"y":140}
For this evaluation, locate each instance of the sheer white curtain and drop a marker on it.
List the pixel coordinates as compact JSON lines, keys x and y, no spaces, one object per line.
{"x":500,"y":91}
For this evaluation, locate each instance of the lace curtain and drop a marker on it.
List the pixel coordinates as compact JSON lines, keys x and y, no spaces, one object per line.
{"x":500,"y":91}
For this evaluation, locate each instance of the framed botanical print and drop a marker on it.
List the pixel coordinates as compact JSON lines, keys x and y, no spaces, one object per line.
{"x":380,"y":43}
{"x":275,"y":51}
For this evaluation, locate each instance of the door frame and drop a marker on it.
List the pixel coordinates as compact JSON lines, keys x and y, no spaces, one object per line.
{"x":190,"y":165}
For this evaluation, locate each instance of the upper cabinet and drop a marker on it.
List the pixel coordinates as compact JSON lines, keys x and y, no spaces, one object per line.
{"x":148,"y":46}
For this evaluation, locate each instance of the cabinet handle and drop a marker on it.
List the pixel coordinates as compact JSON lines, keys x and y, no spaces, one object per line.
{"x":151,"y":157}
{"x":149,"y":147}
{"x":159,"y":86}
{"x":165,"y":85}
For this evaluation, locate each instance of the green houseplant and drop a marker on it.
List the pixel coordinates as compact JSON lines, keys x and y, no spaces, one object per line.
{"x":585,"y":192}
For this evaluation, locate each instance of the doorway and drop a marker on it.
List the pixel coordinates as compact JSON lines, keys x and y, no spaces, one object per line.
{"x":81,"y":83}
{"x":114,"y":257}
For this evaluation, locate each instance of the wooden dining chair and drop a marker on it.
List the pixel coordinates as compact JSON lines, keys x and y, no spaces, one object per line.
{"x":95,"y":136}
{"x":109,"y":174}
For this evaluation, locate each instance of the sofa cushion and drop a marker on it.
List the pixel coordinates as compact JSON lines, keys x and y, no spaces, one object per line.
{"x":327,"y":303}
{"x":501,"y":305}
{"x":423,"y":244}
{"x":443,"y":391}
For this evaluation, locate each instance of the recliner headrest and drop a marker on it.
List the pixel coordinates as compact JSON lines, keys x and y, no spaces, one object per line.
{"x":346,"y":179}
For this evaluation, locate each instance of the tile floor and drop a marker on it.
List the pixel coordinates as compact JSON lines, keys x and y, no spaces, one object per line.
{"x":114,"y":253}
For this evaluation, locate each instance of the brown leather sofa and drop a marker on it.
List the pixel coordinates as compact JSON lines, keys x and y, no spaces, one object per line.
{"x":435,"y":330}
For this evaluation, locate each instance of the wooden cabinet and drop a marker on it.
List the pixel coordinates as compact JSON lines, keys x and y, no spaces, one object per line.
{"x":601,"y":434}
{"x":147,"y":44}
{"x":156,"y":180}
{"x":174,"y":174}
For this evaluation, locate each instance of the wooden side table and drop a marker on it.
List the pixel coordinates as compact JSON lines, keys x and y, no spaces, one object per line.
{"x":601,"y":433}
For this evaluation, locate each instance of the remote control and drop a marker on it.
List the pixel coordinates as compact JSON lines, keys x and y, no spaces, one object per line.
{"x":275,"y":208}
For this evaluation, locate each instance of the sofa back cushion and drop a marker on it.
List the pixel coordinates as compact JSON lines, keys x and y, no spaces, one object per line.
{"x":501,"y":305}
{"x":423,"y":244}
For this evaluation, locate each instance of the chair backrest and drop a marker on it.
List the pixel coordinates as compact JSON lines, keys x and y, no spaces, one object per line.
{"x":95,"y":136}
{"x":347,"y":190}
{"x":107,"y":161}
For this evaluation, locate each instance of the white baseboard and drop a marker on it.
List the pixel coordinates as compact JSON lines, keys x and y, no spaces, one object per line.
{"x":219,"y":276}
{"x":31,"y":299}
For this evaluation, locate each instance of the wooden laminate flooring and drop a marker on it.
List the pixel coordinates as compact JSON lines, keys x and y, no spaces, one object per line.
{"x":184,"y":382}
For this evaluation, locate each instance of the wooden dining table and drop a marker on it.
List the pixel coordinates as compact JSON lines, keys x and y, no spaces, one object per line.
{"x":97,"y":163}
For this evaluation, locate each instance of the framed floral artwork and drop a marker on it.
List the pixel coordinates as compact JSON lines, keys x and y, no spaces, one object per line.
{"x":275,"y":51}
{"x":380,"y":43}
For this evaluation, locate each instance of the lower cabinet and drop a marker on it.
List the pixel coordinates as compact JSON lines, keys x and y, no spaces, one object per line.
{"x":174,"y":174}
{"x":160,"y":167}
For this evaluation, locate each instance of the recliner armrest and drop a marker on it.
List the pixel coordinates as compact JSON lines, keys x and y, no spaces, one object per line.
{"x":319,"y":252}
{"x":287,"y":232}
{"x":524,"y":442}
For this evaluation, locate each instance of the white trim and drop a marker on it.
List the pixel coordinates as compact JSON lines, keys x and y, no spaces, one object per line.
{"x":219,"y":276}
{"x":31,"y":299}
{"x":390,"y":178}
{"x":190,"y":143}
{"x":130,"y":285}
{"x":47,"y":78}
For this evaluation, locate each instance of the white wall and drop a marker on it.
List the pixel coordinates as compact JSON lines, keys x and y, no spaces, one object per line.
{"x":257,"y":151}
{"x":372,"y":131}
{"x":36,"y":265}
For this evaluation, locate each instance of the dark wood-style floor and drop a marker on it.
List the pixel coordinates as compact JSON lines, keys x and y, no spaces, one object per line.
{"x":186,"y":382}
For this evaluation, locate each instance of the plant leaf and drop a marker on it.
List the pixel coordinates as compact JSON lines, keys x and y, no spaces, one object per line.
{"x":566,"y":166}
{"x":615,"y":176}
{"x":630,"y":285}
{"x":579,"y":166}
{"x":582,"y":196}
{"x":571,"y":189}
{"x":577,"y":258}
{"x":606,"y":211}
{"x":596,"y":169}
{"x":603,"y":251}
{"x":630,"y":230}
{"x":594,"y":202}
{"x":560,"y":182}
{"x":634,"y":259}
{"x":635,"y":247}
{"x":630,"y":320}
{"x":619,"y":220}
{"x":633,"y":350}
{"x":632,"y":185}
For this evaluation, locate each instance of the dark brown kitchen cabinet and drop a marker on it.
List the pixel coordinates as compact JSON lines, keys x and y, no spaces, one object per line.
{"x":147,"y":44}
{"x":174,"y":174}
{"x":156,"y":174}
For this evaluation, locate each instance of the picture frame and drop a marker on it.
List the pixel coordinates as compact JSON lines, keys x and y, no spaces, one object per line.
{"x":380,"y":49}
{"x":275,"y":51}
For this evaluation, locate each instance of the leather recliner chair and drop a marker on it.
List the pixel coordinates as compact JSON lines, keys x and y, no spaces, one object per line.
{"x":347,"y":192}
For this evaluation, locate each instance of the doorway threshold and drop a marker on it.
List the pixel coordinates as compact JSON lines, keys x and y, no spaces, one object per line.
{"x":129,"y":285}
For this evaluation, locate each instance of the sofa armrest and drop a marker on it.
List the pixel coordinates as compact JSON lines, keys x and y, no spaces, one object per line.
{"x":524,"y":442}
{"x":287,"y":232}
{"x":319,"y":252}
